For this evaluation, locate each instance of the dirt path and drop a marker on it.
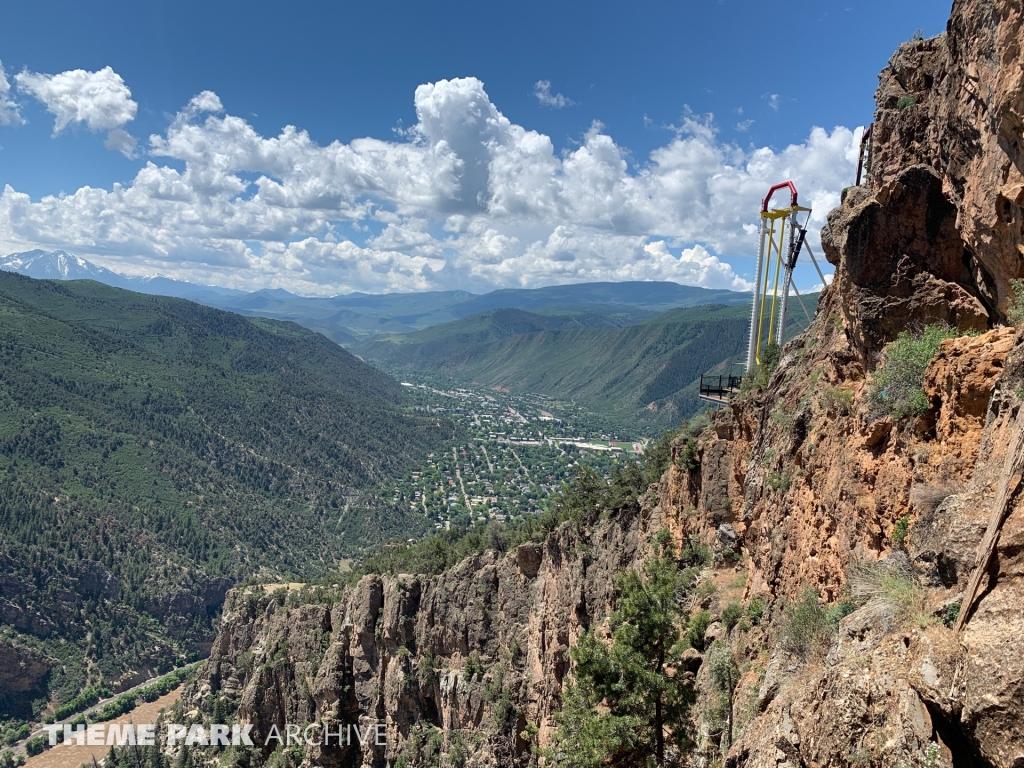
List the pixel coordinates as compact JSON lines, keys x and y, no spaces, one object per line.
{"x":72,"y":756}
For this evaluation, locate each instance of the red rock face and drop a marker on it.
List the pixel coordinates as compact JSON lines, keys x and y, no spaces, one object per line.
{"x":816,"y":483}
{"x":900,"y":262}
{"x":955,"y":103}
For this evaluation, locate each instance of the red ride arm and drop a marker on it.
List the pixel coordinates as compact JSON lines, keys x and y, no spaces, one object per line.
{"x":776,"y":188}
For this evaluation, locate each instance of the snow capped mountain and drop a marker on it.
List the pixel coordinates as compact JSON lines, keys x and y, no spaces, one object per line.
{"x":61,"y":265}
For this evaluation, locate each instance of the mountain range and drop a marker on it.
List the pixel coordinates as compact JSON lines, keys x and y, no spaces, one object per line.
{"x":350,"y":318}
{"x":631,"y":352}
{"x":61,"y":265}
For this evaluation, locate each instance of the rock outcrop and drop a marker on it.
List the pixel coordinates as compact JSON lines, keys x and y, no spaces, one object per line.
{"x":956,"y":105}
{"x":466,"y":660}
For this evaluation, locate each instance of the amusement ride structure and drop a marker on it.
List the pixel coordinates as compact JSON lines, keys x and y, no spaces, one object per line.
{"x":781,"y":239}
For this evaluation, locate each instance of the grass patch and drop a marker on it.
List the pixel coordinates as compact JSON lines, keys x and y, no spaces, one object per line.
{"x":927,"y":498}
{"x":1015,"y":303}
{"x":837,"y":399}
{"x":888,"y":587}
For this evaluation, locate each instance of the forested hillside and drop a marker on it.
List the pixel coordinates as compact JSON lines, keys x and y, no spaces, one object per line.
{"x":452,"y":343}
{"x":346,"y":319}
{"x":642,"y":374}
{"x":152,"y":452}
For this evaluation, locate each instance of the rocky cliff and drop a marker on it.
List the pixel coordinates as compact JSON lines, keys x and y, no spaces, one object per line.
{"x":470,"y":660}
{"x":801,"y":487}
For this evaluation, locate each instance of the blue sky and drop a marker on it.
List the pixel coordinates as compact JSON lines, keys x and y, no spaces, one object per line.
{"x":663,"y":123}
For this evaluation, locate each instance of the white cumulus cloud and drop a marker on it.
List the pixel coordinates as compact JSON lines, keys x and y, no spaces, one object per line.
{"x":99,"y":100}
{"x":465,"y":198}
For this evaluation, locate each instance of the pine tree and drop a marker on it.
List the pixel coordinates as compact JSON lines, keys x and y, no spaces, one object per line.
{"x":629,"y":702}
{"x":724,"y":679}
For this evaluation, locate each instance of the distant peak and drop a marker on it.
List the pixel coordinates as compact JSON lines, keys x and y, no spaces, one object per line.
{"x":61,"y":265}
{"x":277,"y":293}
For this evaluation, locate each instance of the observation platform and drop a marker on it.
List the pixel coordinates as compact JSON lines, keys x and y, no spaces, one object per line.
{"x":719,"y":389}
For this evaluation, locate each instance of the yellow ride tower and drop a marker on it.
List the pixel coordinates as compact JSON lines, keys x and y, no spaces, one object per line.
{"x":776,"y":257}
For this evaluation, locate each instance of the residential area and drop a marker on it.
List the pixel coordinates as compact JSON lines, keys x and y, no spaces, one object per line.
{"x":514,"y":451}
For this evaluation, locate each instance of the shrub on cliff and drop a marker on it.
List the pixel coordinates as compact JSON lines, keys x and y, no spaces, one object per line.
{"x":759,"y":377}
{"x":580,"y":501}
{"x":897,"y":387}
{"x":658,"y":455}
{"x":696,"y":629}
{"x":731,"y":614}
{"x":725,"y":677}
{"x":805,"y":627}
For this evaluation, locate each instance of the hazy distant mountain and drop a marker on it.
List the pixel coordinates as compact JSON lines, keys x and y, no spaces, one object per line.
{"x":61,"y":265}
{"x":654,"y":297}
{"x":361,"y":316}
{"x":354,"y":317}
{"x":180,"y":289}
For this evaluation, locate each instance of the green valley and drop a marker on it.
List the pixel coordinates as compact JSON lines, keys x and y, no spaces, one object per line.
{"x":640,"y":375}
{"x":152,"y":453}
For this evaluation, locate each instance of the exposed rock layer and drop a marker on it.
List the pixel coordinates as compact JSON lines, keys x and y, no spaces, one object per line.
{"x":478,"y":652}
